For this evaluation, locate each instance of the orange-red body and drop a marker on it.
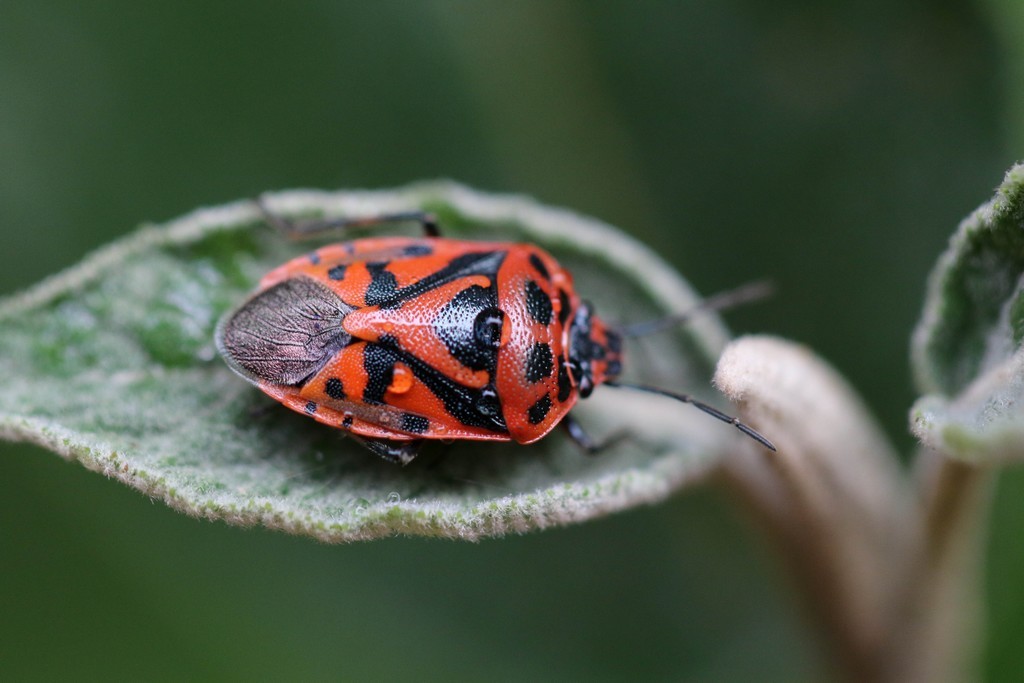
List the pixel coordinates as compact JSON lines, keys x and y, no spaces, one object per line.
{"x":402,"y":339}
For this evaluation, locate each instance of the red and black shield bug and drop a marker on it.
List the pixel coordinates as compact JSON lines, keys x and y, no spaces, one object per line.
{"x":401,"y":339}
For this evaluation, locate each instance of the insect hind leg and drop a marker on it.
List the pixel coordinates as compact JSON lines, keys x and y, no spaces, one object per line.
{"x":317,"y":227}
{"x":394,"y":451}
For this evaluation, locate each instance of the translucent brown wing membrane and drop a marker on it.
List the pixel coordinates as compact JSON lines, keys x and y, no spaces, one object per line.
{"x":285,"y":333}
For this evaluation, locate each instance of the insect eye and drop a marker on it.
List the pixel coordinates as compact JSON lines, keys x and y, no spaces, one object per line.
{"x":586,"y":385}
{"x":575,"y":369}
{"x":487,"y":327}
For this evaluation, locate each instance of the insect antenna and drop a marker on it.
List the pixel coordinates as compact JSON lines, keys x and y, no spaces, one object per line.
{"x":712,"y":411}
{"x":751,"y":291}
{"x":717,"y":302}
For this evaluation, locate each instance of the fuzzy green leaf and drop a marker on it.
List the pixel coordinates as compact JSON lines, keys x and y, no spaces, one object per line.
{"x":112,"y":363}
{"x":967,"y":348}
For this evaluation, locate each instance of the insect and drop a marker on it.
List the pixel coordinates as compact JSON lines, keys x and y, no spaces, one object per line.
{"x":397,"y":340}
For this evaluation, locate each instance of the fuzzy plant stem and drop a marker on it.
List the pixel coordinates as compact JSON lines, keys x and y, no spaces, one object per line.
{"x":885,"y":569}
{"x":936,"y":631}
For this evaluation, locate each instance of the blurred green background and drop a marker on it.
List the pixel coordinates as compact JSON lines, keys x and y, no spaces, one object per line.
{"x":830,"y":146}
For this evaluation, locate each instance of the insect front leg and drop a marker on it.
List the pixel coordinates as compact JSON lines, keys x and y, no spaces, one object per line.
{"x":305,"y":229}
{"x":586,"y":442}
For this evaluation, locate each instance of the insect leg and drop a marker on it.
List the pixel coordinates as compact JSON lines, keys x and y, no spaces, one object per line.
{"x":304,"y":229}
{"x":396,"y":452}
{"x":586,"y":442}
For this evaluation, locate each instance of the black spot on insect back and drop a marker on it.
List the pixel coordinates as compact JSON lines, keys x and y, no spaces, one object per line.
{"x":539,"y":362}
{"x":539,"y":266}
{"x":564,"y":383}
{"x":337,"y":272}
{"x":335,"y":389}
{"x":382,"y":285}
{"x":539,"y":410}
{"x":415,"y":424}
{"x":379,"y":364}
{"x":538,"y":305}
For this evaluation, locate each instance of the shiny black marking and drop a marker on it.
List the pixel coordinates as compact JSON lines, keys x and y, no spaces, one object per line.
{"x":470,"y":327}
{"x":347,"y":422}
{"x":538,"y":305}
{"x":487,"y":403}
{"x":314,"y":258}
{"x":487,"y":327}
{"x":379,"y":363}
{"x":310,"y":408}
{"x":335,"y":389}
{"x":484,"y":263}
{"x":414,"y":424}
{"x":419,"y":249}
{"x":286,"y":333}
{"x":337,"y":272}
{"x":564,"y":383}
{"x":539,"y":362}
{"x":614,"y":368}
{"x":563,"y":315}
{"x":539,"y":410}
{"x":539,"y":266}
{"x":382,"y":285}
{"x":472,"y":407}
